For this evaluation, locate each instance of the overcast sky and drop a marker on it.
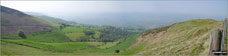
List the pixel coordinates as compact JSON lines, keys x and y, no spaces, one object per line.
{"x":64,"y":8}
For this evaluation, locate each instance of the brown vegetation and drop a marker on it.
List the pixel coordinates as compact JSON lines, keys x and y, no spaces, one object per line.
{"x":13,"y":20}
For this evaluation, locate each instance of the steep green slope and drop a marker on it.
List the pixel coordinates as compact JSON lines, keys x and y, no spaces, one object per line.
{"x":186,"y":38}
{"x":14,"y":20}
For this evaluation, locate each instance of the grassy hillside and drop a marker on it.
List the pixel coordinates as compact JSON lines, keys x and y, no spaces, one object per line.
{"x":12,"y":47}
{"x":14,"y":20}
{"x":186,"y":38}
{"x":53,"y":20}
{"x":59,"y":35}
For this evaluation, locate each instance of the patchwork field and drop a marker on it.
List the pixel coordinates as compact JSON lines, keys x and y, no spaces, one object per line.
{"x":43,"y":46}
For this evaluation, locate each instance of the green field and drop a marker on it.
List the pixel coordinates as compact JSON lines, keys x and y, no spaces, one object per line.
{"x":64,"y":47}
{"x":68,"y":38}
{"x":62,"y":41}
{"x":55,"y":36}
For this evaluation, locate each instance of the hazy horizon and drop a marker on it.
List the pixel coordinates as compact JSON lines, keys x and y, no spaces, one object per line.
{"x":124,"y":12}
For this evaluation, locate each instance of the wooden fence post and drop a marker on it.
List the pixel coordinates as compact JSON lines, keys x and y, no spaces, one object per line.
{"x":215,"y":41}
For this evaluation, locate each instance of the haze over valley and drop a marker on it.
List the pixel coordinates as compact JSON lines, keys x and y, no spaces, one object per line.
{"x":132,"y":14}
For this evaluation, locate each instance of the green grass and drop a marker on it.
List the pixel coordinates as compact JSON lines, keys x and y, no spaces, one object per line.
{"x":78,"y":47}
{"x":95,"y":43}
{"x":61,"y":35}
{"x":134,"y":50}
{"x":13,"y":36}
{"x":75,"y":36}
{"x":15,"y":49}
{"x":108,"y":45}
{"x":73,"y":29}
{"x":56,"y":42}
{"x":123,"y":45}
{"x":29,"y":43}
{"x":54,"y":36}
{"x":65,"y":46}
{"x":69,"y":46}
{"x":57,"y":35}
{"x":97,"y":34}
{"x":75,"y":33}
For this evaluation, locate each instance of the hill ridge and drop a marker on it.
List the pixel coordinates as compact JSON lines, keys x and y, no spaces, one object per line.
{"x":190,"y":37}
{"x":13,"y":20}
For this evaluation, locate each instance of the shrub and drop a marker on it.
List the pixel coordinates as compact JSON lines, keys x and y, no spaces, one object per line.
{"x":89,"y":32}
{"x":21,"y":34}
{"x":117,"y":51}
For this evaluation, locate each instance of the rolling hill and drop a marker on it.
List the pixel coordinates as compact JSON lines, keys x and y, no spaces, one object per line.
{"x":50,"y":19}
{"x":13,"y":20}
{"x":186,"y":38}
